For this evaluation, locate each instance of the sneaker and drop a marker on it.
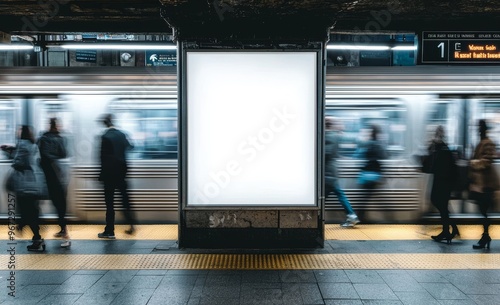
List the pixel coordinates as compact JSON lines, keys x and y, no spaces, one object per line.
{"x":66,"y":243}
{"x":106,"y":235}
{"x":130,"y":231}
{"x":60,"y":234}
{"x":351,"y":221}
{"x":38,"y":245}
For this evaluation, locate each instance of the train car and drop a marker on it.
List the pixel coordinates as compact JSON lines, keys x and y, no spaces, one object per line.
{"x":145,"y":104}
{"x":407,"y":103}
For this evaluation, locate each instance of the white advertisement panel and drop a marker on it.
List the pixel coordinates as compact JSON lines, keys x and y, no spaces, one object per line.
{"x":251,"y":128}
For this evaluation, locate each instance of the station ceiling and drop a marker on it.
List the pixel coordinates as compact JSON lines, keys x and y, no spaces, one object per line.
{"x":148,"y":16}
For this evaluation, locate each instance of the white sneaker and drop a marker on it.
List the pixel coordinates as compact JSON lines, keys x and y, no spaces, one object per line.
{"x":351,"y":221}
{"x":66,"y":244}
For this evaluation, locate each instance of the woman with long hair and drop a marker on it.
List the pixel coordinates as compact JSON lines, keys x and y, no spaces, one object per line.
{"x":484,"y":181}
{"x":28,"y":204}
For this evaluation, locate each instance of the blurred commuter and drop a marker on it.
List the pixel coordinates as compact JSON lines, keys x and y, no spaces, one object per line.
{"x":371,"y":173}
{"x":52,"y":150}
{"x":332,"y":138}
{"x":24,"y":158}
{"x":441,"y":163}
{"x":114,"y":145}
{"x":484,"y":181}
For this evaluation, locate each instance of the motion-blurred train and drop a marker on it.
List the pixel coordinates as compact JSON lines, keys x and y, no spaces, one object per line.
{"x":407,"y":103}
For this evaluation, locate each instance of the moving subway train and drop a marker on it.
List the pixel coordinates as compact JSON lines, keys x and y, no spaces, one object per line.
{"x":407,"y":103}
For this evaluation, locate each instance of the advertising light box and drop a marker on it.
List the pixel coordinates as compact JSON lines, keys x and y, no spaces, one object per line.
{"x":251,"y":128}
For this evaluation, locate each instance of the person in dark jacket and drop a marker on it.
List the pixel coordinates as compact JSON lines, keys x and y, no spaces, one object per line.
{"x":445,"y":172}
{"x":114,"y":145}
{"x":52,"y":150}
{"x":371,"y":173}
{"x":484,"y":181}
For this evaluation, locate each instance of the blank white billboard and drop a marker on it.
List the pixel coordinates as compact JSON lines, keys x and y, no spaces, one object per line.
{"x":251,"y":128}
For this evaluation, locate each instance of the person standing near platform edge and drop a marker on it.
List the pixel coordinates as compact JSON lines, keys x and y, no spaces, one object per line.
{"x":114,"y":145}
{"x":445,"y":171}
{"x":484,"y":181}
{"x":52,"y":150}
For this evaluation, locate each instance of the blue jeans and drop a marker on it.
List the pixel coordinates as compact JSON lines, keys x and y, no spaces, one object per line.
{"x":341,"y":197}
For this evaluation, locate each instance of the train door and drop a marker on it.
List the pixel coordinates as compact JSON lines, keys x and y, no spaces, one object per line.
{"x":449,"y":113}
{"x":489,"y":110}
{"x":10,"y":120}
{"x":42,"y":110}
{"x":398,"y":197}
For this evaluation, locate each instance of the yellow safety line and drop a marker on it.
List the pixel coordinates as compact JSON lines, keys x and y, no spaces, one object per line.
{"x":249,"y":261}
{"x":332,"y":232}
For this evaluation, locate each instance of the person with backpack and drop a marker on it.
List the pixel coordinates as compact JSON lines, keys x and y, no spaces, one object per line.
{"x":441,"y":163}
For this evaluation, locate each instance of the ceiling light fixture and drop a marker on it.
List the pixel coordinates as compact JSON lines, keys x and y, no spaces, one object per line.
{"x":121,"y":46}
{"x":404,"y":48}
{"x":14,"y":47}
{"x":370,"y":47}
{"x":357,"y":47}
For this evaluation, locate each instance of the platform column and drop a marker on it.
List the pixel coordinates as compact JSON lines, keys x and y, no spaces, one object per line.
{"x":251,"y":119}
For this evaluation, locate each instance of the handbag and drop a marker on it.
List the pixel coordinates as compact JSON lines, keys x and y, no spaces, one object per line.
{"x":428,"y":163}
{"x":32,"y":183}
{"x":12,"y":180}
{"x":27,"y":183}
{"x":369,"y":177}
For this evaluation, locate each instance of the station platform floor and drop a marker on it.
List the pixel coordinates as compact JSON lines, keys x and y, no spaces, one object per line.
{"x":368,"y":264}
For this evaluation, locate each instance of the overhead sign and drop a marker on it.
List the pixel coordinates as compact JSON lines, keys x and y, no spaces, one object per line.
{"x":460,"y":47}
{"x":86,"y":55}
{"x":156,"y":58}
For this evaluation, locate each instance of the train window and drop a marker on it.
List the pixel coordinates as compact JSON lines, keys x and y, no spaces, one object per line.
{"x":447,"y":114}
{"x":490,"y":111}
{"x":357,"y":118}
{"x":59,"y":109}
{"x":151,"y":125}
{"x":9,"y":111}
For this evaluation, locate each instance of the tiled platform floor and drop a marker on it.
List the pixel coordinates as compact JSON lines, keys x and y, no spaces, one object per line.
{"x":347,"y":271}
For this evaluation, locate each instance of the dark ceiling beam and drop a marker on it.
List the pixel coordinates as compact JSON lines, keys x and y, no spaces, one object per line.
{"x":143,"y":16}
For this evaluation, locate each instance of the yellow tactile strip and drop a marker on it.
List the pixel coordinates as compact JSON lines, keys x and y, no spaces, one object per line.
{"x":332,"y":232}
{"x":252,"y":261}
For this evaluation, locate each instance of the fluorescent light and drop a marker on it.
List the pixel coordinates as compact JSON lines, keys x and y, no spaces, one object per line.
{"x":16,"y":47}
{"x":370,"y":47}
{"x":404,"y":48}
{"x":357,"y":47}
{"x":123,"y":46}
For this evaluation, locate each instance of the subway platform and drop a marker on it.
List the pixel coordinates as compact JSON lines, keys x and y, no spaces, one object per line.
{"x":368,"y":264}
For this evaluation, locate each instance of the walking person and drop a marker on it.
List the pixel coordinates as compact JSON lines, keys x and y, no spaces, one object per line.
{"x":371,"y":173}
{"x":52,"y":150}
{"x":442,"y":165}
{"x":332,"y":138}
{"x":114,"y":145}
{"x":24,"y":162}
{"x":484,"y":181}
